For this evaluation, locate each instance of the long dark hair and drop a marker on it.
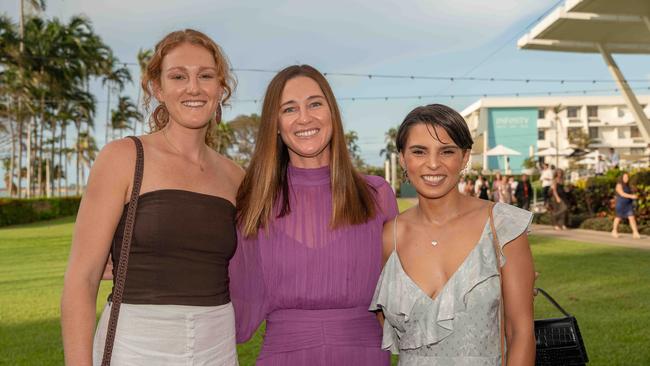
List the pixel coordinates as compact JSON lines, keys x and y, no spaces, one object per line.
{"x":266,"y":178}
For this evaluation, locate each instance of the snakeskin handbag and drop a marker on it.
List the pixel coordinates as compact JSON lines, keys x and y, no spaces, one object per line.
{"x":558,"y":340}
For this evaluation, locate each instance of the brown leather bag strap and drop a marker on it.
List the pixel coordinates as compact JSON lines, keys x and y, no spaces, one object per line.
{"x":502,"y":315}
{"x":120,"y":278}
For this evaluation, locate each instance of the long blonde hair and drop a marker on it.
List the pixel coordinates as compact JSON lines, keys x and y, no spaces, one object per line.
{"x":266,"y":179}
{"x":152,"y":73}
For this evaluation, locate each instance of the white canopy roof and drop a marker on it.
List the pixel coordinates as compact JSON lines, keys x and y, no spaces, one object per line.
{"x":501,"y":150}
{"x":598,"y":26}
{"x":620,"y":26}
{"x":551,"y":151}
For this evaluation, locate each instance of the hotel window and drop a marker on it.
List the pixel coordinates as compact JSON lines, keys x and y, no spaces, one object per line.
{"x":621,"y":133}
{"x":541,"y":134}
{"x":541,"y":113}
{"x":634,"y":132}
{"x":592,"y":111}
{"x":621,"y":112}
{"x":593,"y":132}
{"x":572,"y":112}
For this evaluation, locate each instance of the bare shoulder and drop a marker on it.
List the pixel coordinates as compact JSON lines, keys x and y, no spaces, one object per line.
{"x":118,"y":156}
{"x":231,"y":170}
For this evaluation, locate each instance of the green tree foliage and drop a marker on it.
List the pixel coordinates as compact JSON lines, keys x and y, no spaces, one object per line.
{"x":351,"y":139}
{"x":244,"y":134}
{"x":46,"y":66}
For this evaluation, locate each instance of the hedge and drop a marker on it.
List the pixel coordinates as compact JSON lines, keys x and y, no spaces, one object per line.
{"x":23,"y":211}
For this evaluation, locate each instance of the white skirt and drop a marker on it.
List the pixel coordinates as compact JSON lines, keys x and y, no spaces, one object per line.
{"x":169,"y":335}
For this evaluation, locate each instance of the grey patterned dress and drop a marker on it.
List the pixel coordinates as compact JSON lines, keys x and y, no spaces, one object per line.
{"x":460,"y":326}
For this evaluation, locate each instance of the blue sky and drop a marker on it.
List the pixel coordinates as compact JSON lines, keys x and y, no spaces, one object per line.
{"x":409,"y":37}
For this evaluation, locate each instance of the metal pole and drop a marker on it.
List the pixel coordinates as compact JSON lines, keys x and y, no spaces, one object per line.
{"x":630,"y":98}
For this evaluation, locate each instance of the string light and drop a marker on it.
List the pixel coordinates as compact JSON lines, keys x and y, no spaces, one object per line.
{"x":449,"y":78}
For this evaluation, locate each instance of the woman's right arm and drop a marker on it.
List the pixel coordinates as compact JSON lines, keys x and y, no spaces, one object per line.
{"x":621,"y":192}
{"x":554,"y":191}
{"x":99,"y":213}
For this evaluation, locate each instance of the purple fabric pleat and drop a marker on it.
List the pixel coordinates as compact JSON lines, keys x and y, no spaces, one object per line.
{"x":310,"y":283}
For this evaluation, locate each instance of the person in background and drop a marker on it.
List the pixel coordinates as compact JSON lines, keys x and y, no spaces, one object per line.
{"x":601,"y":166}
{"x":547,"y":180}
{"x":469,"y":188}
{"x":482,"y":188}
{"x":505,"y":192}
{"x":558,"y":202}
{"x":462,"y":184}
{"x":524,"y":192}
{"x":625,"y":205}
{"x":614,"y":158}
{"x":513,"y":186}
{"x":496,"y":187}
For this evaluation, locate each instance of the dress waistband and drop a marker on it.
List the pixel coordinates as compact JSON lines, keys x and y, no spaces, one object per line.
{"x":294,"y":329}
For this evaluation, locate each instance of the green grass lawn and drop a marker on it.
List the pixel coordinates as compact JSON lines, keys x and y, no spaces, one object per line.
{"x":606,"y":288}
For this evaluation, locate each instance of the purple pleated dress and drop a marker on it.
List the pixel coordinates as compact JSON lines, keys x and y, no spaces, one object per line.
{"x":312,"y":284}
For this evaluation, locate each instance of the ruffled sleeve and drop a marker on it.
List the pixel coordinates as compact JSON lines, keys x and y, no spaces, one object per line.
{"x":385,"y":197}
{"x":247,"y":288}
{"x":510,"y":222}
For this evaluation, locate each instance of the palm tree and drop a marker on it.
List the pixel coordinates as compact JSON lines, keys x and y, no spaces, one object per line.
{"x":125,"y":114}
{"x":144,"y":56}
{"x":86,"y":152}
{"x":114,"y":78}
{"x":225,"y":138}
{"x":389,"y":137}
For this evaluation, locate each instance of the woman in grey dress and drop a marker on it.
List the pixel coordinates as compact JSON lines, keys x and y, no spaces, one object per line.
{"x":440,"y":289}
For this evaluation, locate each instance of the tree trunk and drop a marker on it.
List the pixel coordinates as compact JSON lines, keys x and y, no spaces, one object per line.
{"x":64,"y":167}
{"x":20,"y":150}
{"x":78,"y":162}
{"x":12,"y":159}
{"x":137,"y":108}
{"x":29,"y":159}
{"x":61,"y":171}
{"x":108,"y":111}
{"x":48,"y":187}
{"x":41,"y":129}
{"x":50,"y":183}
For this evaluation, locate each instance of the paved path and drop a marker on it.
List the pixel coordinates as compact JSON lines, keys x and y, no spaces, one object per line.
{"x":592,"y":236}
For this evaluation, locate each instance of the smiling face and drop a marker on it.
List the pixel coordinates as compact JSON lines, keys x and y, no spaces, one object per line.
{"x":305,"y":123}
{"x":433,"y":164}
{"x":189,"y":86}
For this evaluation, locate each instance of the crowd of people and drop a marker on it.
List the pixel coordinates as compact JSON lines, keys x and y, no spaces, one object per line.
{"x":502,"y":188}
{"x":557,"y":197}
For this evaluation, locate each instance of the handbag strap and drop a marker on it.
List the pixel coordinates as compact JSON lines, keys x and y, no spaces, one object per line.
{"x":502,"y":316}
{"x":549,"y":298}
{"x":120,"y":277}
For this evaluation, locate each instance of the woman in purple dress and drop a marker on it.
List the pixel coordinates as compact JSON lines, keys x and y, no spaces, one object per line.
{"x":310,"y":241}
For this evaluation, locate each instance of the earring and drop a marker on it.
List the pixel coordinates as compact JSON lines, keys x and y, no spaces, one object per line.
{"x":217,"y":116}
{"x":160,"y":115}
{"x":405,"y":177}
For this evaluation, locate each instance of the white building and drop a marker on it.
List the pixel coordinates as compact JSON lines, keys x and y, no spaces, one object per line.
{"x":544,"y":125}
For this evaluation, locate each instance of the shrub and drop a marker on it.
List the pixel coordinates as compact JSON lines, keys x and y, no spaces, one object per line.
{"x":598,"y":223}
{"x":23,"y":211}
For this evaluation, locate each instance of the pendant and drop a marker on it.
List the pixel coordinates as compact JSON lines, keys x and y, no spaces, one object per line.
{"x":434,"y":242}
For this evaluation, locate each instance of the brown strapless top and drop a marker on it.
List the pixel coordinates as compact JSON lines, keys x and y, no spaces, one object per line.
{"x":182,"y":242}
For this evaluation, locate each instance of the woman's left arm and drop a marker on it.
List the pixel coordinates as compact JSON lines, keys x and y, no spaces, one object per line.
{"x":518,"y":281}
